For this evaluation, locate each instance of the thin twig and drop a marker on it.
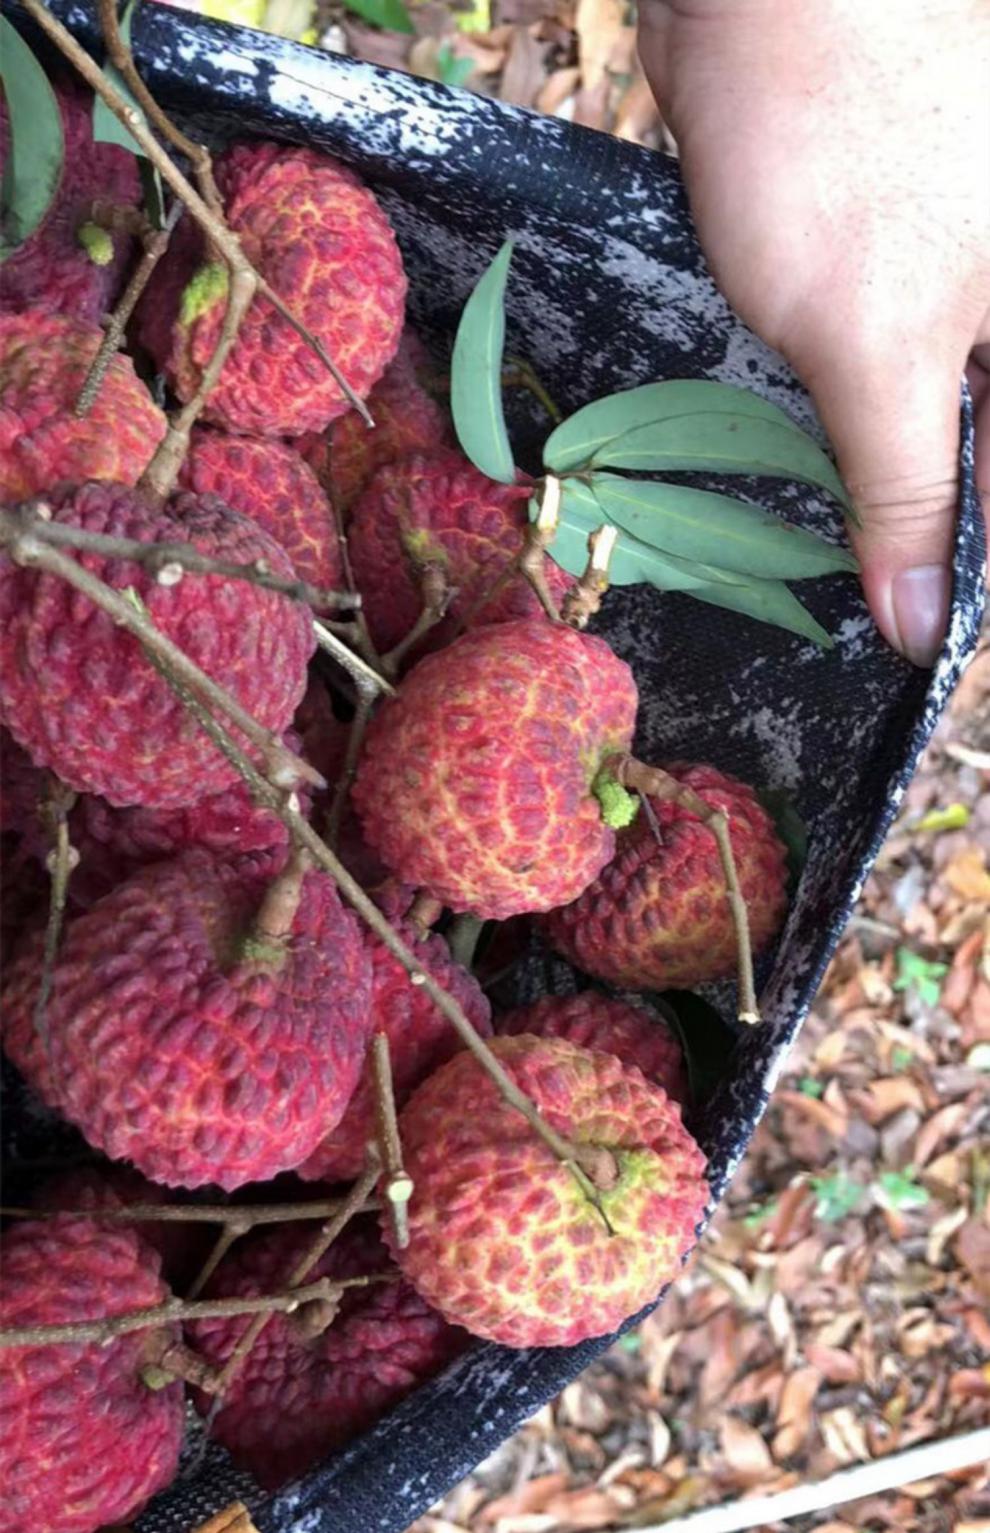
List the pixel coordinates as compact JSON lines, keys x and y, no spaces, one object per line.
{"x":155,"y":242}
{"x":397,"y":1183}
{"x":355,"y":665}
{"x":193,"y":1213}
{"x":520,"y":374}
{"x":262,"y":1307}
{"x":640,"y":778}
{"x":462,"y":938}
{"x":424,"y":913}
{"x":537,"y":539}
{"x":62,"y":858}
{"x":168,"y":561}
{"x":584,"y":599}
{"x":29,"y":551}
{"x":436,"y":595}
{"x":228,"y":1233}
{"x":366,"y":695}
{"x":362,"y":637}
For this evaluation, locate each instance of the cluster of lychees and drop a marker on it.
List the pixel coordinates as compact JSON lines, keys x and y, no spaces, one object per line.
{"x":207,"y":1012}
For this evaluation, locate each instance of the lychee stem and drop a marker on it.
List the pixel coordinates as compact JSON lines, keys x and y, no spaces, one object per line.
{"x":355,"y":665}
{"x":462,"y":938}
{"x":246,"y":1216}
{"x":398,"y":1183}
{"x":225,"y":1239}
{"x":520,"y":374}
{"x":537,"y":539}
{"x":436,"y":595}
{"x":584,"y":599}
{"x":274,"y":918}
{"x":655,"y":783}
{"x":167,"y":561}
{"x":27,"y":549}
{"x":62,"y":859}
{"x":424,"y":913}
{"x":155,"y":244}
{"x":366,"y":695}
{"x":262,"y":1307}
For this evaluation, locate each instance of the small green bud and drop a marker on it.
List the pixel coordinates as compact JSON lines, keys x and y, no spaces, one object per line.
{"x":619,"y":806}
{"x":97,"y":243}
{"x":206,"y":288}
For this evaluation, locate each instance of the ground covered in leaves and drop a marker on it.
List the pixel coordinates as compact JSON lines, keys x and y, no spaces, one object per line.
{"x":838,"y":1309}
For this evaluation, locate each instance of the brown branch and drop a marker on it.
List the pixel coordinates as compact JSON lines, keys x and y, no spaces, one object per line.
{"x":366,"y":695}
{"x":219,"y":236}
{"x":25,"y":548}
{"x":62,"y":858}
{"x":362,"y":636}
{"x":273,"y":921}
{"x":640,"y":778}
{"x":424,"y":913}
{"x":168,"y":561}
{"x":359,"y":669}
{"x":229,"y":1232}
{"x":155,"y":243}
{"x":436,"y":595}
{"x":397,"y":1183}
{"x":584,"y":599}
{"x":193,"y":1213}
{"x":529,"y":562}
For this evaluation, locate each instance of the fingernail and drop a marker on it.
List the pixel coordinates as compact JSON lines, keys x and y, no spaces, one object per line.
{"x":921,"y":611}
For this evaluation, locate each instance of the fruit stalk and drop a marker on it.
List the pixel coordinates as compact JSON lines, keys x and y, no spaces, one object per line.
{"x":436,"y":594}
{"x":366,"y":695}
{"x":584,"y":599}
{"x":355,"y":665}
{"x":652,"y":781}
{"x":198,"y":1213}
{"x":61,"y":860}
{"x":398,"y":1183}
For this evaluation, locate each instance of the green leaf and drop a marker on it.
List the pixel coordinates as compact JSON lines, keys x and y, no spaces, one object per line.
{"x":724,"y":443}
{"x":699,"y":525}
{"x":837,"y":1195}
{"x":921,"y":975}
{"x":810,"y":1087}
{"x":454,"y":70}
{"x":769,"y":601}
{"x":632,"y":562}
{"x":790,"y":828}
{"x":707,"y":1042}
{"x":900,"y":1190}
{"x":388,"y":14}
{"x":33,"y":166}
{"x":476,"y":374}
{"x":107,"y":129}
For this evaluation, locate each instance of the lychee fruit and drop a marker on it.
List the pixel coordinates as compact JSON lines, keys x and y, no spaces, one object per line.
{"x":70,"y":265}
{"x":44,"y":359}
{"x":297,"y":1398}
{"x":77,"y":691}
{"x":480,"y":780}
{"x":503,"y":1239}
{"x":319,"y":237}
{"x":83,"y":1440}
{"x":441,"y":510}
{"x":269,"y":482}
{"x":407,"y":420}
{"x":420,"y":1039}
{"x":181,"y":1245}
{"x":609,"y":1026}
{"x":184,"y":1036}
{"x":657,"y":915}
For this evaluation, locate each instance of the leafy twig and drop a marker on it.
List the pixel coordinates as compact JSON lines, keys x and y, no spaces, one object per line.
{"x":397,"y":1183}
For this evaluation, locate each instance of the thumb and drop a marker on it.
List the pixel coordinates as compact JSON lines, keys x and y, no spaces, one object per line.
{"x":895,"y":431}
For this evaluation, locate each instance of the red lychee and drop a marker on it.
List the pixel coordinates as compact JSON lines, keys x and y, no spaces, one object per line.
{"x":182,"y":1038}
{"x":296,"y":1399}
{"x":44,"y":359}
{"x":83,"y":1440}
{"x":54,"y":271}
{"x":79,"y":694}
{"x":441,"y":510}
{"x":478,"y":780}
{"x":270,"y":482}
{"x":598,"y":1022}
{"x":407,"y":420}
{"x":502,"y":1238}
{"x":320,"y":238}
{"x":657,"y":916}
{"x":420,"y":1039}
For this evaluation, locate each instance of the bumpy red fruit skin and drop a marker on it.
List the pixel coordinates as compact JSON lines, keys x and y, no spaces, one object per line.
{"x":475,"y":781}
{"x":420,"y":1040}
{"x":76,"y":689}
{"x":83,"y":1442}
{"x":44,"y":359}
{"x":440,"y":509}
{"x":657,"y":915}
{"x":269,"y":482}
{"x":51,"y":270}
{"x":502,"y":1240}
{"x":295,"y":1400}
{"x":174,"y":1048}
{"x":598,"y":1022}
{"x":320,"y":238}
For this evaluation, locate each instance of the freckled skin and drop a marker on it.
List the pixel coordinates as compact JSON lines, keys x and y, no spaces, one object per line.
{"x":657,"y":916}
{"x":475,"y":780}
{"x":502,"y":1239}
{"x":172,"y":1047}
{"x":598,"y":1022}
{"x":44,"y":359}
{"x":76,"y":689}
{"x":319,"y":237}
{"x":83,"y":1441}
{"x":296,"y":1401}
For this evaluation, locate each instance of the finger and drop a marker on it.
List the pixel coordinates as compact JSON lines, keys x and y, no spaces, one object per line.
{"x":895,"y":430}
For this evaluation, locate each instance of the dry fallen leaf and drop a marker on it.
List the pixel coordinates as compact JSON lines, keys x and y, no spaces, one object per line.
{"x":744,"y":1451}
{"x":972,"y":1246}
{"x":967,"y":874}
{"x":794,"y":1412}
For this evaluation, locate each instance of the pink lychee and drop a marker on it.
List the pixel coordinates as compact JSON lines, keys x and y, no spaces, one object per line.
{"x":609,"y":1026}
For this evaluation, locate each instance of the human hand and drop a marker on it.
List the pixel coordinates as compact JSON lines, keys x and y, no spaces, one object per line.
{"x":837,"y":158}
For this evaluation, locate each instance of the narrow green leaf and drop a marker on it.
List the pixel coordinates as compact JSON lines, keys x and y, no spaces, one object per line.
{"x":576,"y":440}
{"x":697,"y":524}
{"x":724,"y":443}
{"x":632,"y":562}
{"x":107,"y":129}
{"x":476,"y":374}
{"x":770,"y":601}
{"x":707,"y":1042}
{"x":388,"y":14}
{"x":33,"y":167}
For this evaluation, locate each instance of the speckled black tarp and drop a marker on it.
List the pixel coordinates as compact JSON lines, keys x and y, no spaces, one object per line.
{"x":608,"y":289}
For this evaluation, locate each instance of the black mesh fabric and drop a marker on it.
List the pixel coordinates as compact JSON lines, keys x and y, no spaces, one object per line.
{"x":608,"y":289}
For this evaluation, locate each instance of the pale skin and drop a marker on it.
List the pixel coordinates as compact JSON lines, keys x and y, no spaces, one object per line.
{"x":837,"y":159}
